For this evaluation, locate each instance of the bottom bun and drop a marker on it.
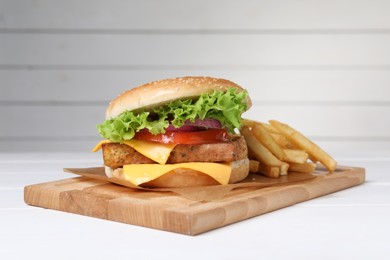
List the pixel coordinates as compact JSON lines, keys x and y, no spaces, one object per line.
{"x":188,"y":178}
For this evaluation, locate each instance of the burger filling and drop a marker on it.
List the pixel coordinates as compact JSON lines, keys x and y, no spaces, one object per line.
{"x":115,"y":155}
{"x":211,"y":117}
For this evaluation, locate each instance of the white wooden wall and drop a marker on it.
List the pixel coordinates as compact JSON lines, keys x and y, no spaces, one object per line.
{"x":322,"y":66}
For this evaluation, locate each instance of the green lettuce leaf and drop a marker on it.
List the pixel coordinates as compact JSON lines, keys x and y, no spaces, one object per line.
{"x":226,"y":107}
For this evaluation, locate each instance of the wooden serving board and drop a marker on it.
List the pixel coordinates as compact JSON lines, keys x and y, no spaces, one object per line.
{"x":171,"y":212}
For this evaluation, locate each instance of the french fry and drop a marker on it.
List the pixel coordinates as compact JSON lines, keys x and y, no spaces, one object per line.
{"x":269,"y":128}
{"x":258,"y":150}
{"x":261,"y":134}
{"x":295,"y":156}
{"x":282,"y":141}
{"x":254,"y":166}
{"x":314,"y":160}
{"x":248,"y":122}
{"x":302,"y":168}
{"x":276,"y":149}
{"x":284,"y":169}
{"x":251,"y":155}
{"x":304,"y":143}
{"x":251,"y":123}
{"x":269,"y":171}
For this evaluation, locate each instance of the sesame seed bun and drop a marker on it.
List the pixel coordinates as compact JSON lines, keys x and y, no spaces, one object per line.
{"x":161,"y":92}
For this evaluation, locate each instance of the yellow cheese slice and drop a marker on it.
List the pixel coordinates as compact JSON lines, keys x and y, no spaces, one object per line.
{"x":141,"y":173}
{"x":99,"y":145}
{"x":155,"y":151}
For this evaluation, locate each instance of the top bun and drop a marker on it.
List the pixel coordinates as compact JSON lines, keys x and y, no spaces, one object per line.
{"x":161,"y":92}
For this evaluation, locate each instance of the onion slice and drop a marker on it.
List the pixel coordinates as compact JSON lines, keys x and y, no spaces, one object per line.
{"x":198,"y":124}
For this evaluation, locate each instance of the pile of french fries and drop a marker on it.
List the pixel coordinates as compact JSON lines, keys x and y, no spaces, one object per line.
{"x":275,"y":149}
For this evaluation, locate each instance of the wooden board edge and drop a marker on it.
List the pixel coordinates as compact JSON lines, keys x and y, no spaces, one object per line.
{"x":200,"y":221}
{"x":256,"y":204}
{"x":169,"y":220}
{"x":47,"y":194}
{"x":33,"y":196}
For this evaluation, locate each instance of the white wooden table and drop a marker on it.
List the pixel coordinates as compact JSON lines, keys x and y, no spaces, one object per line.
{"x":350,"y":224}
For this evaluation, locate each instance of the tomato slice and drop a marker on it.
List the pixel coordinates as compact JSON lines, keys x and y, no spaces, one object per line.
{"x":199,"y":137}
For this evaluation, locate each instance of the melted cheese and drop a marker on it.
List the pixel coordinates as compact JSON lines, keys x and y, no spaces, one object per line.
{"x":157,"y":152}
{"x":99,"y":145}
{"x":142,"y":173}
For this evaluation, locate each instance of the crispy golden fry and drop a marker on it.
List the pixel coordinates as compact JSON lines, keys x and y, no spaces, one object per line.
{"x":277,"y":149}
{"x":304,"y":143}
{"x":269,"y":171}
{"x":302,"y":168}
{"x":254,"y":166}
{"x":251,"y":123}
{"x":266,"y":139}
{"x":251,"y":155}
{"x":248,"y":122}
{"x":258,"y":150}
{"x":295,"y":156}
{"x":282,"y":141}
{"x":284,"y":169}
{"x":269,"y":128}
{"x":314,"y":160}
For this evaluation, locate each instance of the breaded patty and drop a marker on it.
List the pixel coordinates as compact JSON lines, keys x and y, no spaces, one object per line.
{"x":116,"y":155}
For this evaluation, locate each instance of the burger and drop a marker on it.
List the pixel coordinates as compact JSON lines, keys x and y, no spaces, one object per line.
{"x":177,"y":132}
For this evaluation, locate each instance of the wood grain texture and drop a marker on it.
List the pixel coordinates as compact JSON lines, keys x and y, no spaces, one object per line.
{"x":170,"y":212}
